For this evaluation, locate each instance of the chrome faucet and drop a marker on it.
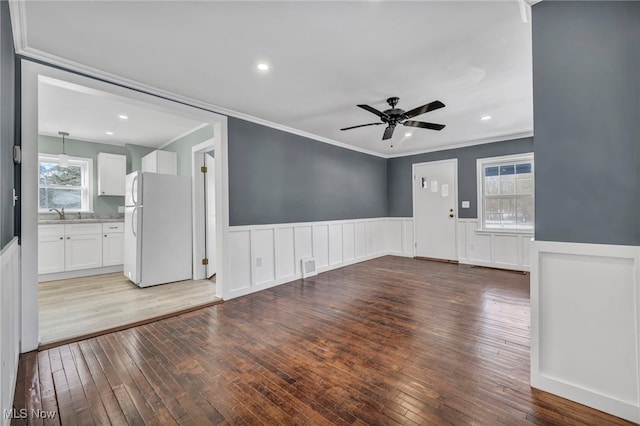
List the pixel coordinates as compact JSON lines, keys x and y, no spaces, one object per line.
{"x":60,"y":212}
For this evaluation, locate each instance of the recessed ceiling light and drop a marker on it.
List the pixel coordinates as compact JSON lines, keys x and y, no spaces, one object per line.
{"x":124,"y":117}
{"x":485,"y":118}
{"x":263,"y":66}
{"x":407,"y":134}
{"x":109,"y":133}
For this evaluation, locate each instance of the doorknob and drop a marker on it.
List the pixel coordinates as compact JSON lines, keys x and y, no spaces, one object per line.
{"x":450,"y":214}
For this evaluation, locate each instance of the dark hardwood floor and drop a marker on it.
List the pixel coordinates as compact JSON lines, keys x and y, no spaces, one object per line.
{"x":388,"y":341}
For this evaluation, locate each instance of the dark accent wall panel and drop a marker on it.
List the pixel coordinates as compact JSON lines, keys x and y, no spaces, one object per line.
{"x":586,"y":90}
{"x":279,"y":177}
{"x":400,"y":195}
{"x":7,"y":124}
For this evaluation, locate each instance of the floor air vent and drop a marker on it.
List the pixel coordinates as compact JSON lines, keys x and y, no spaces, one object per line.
{"x":308,"y":267}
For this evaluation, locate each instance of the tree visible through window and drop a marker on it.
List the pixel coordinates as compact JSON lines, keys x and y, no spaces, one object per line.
{"x":66,"y":187}
{"x":506,"y":193}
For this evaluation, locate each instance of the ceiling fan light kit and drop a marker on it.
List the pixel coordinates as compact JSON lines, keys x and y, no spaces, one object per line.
{"x":394,"y":116}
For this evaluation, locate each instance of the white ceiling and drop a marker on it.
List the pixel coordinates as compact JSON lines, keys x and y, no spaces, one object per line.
{"x":87,"y":114}
{"x":325,"y":58}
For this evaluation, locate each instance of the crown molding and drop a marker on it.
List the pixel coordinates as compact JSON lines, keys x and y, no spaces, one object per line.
{"x":188,"y":132}
{"x":18,"y":14}
{"x":112,"y":143}
{"x":501,"y":138}
{"x":68,"y":65}
{"x":19,"y":26}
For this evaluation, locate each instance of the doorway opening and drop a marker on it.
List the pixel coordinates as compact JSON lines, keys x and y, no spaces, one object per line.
{"x":89,"y":273}
{"x":204,"y":170}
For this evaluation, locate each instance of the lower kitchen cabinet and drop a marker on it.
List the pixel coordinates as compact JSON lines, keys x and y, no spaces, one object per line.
{"x":77,"y":246}
{"x":82,"y":252}
{"x":113,"y":244}
{"x":50,"y":254}
{"x":112,"y":249}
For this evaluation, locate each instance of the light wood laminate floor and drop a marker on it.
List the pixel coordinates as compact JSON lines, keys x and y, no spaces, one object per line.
{"x":82,"y":306}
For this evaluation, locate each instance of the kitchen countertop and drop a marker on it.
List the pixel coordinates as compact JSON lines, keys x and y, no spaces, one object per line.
{"x":88,"y":220}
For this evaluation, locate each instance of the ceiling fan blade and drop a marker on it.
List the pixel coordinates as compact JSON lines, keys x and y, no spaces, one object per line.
{"x":388,"y":132}
{"x":424,"y":108}
{"x":423,"y":125}
{"x":361,"y":125}
{"x":374,"y":111}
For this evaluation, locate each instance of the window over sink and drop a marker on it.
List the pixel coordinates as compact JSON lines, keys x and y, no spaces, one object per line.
{"x":70,"y":187}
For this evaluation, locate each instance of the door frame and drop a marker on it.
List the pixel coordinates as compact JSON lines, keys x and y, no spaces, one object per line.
{"x":455,"y":209}
{"x":109,"y":86}
{"x":197,"y":187}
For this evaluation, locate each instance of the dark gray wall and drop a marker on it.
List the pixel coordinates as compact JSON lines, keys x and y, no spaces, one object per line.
{"x":586,"y":90}
{"x":7,"y":124}
{"x":278,"y":177}
{"x":400,"y":196}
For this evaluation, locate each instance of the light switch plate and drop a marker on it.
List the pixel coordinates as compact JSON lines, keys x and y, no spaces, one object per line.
{"x":465,"y":204}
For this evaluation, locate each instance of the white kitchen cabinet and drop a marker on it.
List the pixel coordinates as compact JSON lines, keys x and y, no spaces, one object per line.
{"x":83,"y":246}
{"x":158,"y":161}
{"x":113,"y":244}
{"x":83,"y":252}
{"x":50,"y":249}
{"x":112,"y":171}
{"x":77,"y":246}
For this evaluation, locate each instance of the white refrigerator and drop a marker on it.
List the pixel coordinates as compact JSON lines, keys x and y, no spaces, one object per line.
{"x":157,"y":222}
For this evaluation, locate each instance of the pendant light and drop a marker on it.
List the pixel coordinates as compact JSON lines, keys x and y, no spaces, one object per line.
{"x":63,"y":158}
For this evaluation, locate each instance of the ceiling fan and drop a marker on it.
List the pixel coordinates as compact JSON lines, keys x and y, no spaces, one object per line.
{"x":394,"y":116}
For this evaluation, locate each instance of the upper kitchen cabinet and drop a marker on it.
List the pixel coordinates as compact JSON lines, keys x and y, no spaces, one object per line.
{"x":112,"y":170}
{"x":160,"y":162}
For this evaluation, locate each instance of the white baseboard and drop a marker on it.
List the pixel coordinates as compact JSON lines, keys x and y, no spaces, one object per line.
{"x":80,"y":273}
{"x":275,"y":283}
{"x":268,"y":255}
{"x":585,"y":322}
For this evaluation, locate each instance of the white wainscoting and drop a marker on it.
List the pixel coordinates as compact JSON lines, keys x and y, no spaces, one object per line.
{"x":264,"y":256}
{"x":492,"y":249}
{"x":9,"y":324}
{"x":585,"y":322}
{"x":269,"y":255}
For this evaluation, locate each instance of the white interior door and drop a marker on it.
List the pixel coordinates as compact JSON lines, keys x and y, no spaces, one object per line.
{"x":435,"y":200}
{"x":210,"y":201}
